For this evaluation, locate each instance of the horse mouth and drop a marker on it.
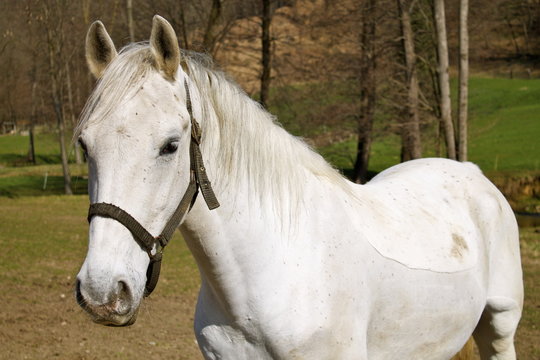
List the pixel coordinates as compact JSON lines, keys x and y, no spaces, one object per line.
{"x":117,"y":312}
{"x":116,"y":320}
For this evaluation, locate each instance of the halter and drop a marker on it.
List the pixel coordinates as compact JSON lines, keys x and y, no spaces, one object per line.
{"x":198,"y":179}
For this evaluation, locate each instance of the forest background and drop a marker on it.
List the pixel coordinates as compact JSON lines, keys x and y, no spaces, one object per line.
{"x":362,"y":81}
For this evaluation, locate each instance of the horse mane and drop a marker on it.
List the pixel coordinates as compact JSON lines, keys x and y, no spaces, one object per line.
{"x":252,"y":145}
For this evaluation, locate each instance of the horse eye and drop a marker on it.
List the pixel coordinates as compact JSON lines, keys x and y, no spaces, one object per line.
{"x":169,"y":148}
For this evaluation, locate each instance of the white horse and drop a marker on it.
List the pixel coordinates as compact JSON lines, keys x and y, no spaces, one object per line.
{"x":297,"y":262}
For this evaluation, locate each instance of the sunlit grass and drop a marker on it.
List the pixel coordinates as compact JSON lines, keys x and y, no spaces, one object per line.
{"x":504,"y":130}
{"x":14,"y":149}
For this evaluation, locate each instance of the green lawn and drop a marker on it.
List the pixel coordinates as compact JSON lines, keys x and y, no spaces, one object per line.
{"x":504,"y":130}
{"x":14,"y":149}
{"x":19,"y":178}
{"x":505,"y":124}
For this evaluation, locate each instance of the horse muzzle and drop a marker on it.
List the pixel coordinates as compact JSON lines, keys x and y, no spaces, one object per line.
{"x":119,"y":308}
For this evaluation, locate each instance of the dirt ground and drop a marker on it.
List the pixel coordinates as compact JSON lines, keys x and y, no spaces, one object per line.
{"x":39,"y":317}
{"x":43,"y":242}
{"x":41,"y":320}
{"x":44,"y":322}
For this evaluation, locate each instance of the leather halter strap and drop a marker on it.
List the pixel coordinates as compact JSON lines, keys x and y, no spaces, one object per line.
{"x":154,"y":245}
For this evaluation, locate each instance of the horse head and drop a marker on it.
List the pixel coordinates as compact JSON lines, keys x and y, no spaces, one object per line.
{"x":136,"y":132}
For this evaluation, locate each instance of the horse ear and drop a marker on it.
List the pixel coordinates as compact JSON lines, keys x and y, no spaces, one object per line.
{"x":100,"y":50}
{"x":164,"y":45}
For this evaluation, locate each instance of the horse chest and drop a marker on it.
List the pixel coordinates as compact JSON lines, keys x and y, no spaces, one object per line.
{"x":301,"y":321}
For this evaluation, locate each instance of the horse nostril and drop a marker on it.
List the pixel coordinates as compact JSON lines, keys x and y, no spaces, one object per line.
{"x":123,"y":299}
{"x":123,"y":290}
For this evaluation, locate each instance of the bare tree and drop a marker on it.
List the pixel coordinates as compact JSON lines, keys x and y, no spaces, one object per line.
{"x":9,"y":80}
{"x":463,"y":79}
{"x":71,"y":111}
{"x":212,"y":31}
{"x":31,"y":145}
{"x":266,"y":51}
{"x":443,"y":78}
{"x":53,"y":22}
{"x":411,"y":143}
{"x":522,"y":18}
{"x":175,"y":12}
{"x":367,"y":92}
{"x":131,"y":26}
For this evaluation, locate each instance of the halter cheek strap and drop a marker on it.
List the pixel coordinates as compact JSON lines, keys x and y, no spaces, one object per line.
{"x":154,"y":245}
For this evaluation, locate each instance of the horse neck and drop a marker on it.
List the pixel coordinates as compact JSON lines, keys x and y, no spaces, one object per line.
{"x":230,"y":241}
{"x":227,"y":243}
{"x":263,"y":178}
{"x":244,"y":155}
{"x":241,"y":250}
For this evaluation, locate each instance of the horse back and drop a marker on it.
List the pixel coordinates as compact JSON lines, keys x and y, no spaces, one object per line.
{"x":438,"y":215}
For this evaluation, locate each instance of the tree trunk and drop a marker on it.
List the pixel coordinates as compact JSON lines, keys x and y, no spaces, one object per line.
{"x":54,"y":43}
{"x":367,"y":93}
{"x":210,"y":35}
{"x":266,"y":53}
{"x":57,"y":103}
{"x":31,"y":148}
{"x":514,"y":37}
{"x":61,"y":138}
{"x":463,"y":79}
{"x":131,"y":28}
{"x":183,"y":26}
{"x":85,"y":7}
{"x":444,"y":81}
{"x":78,"y":156}
{"x":411,"y":148}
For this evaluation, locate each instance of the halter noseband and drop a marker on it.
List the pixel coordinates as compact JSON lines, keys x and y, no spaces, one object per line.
{"x":198,"y":179}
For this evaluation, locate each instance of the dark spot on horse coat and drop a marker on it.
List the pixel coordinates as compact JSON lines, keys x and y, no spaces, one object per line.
{"x":459,"y":247}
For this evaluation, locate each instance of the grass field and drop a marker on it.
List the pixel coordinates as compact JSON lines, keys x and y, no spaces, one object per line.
{"x":504,"y":130}
{"x":505,"y":124}
{"x":14,"y":149}
{"x":43,"y":241}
